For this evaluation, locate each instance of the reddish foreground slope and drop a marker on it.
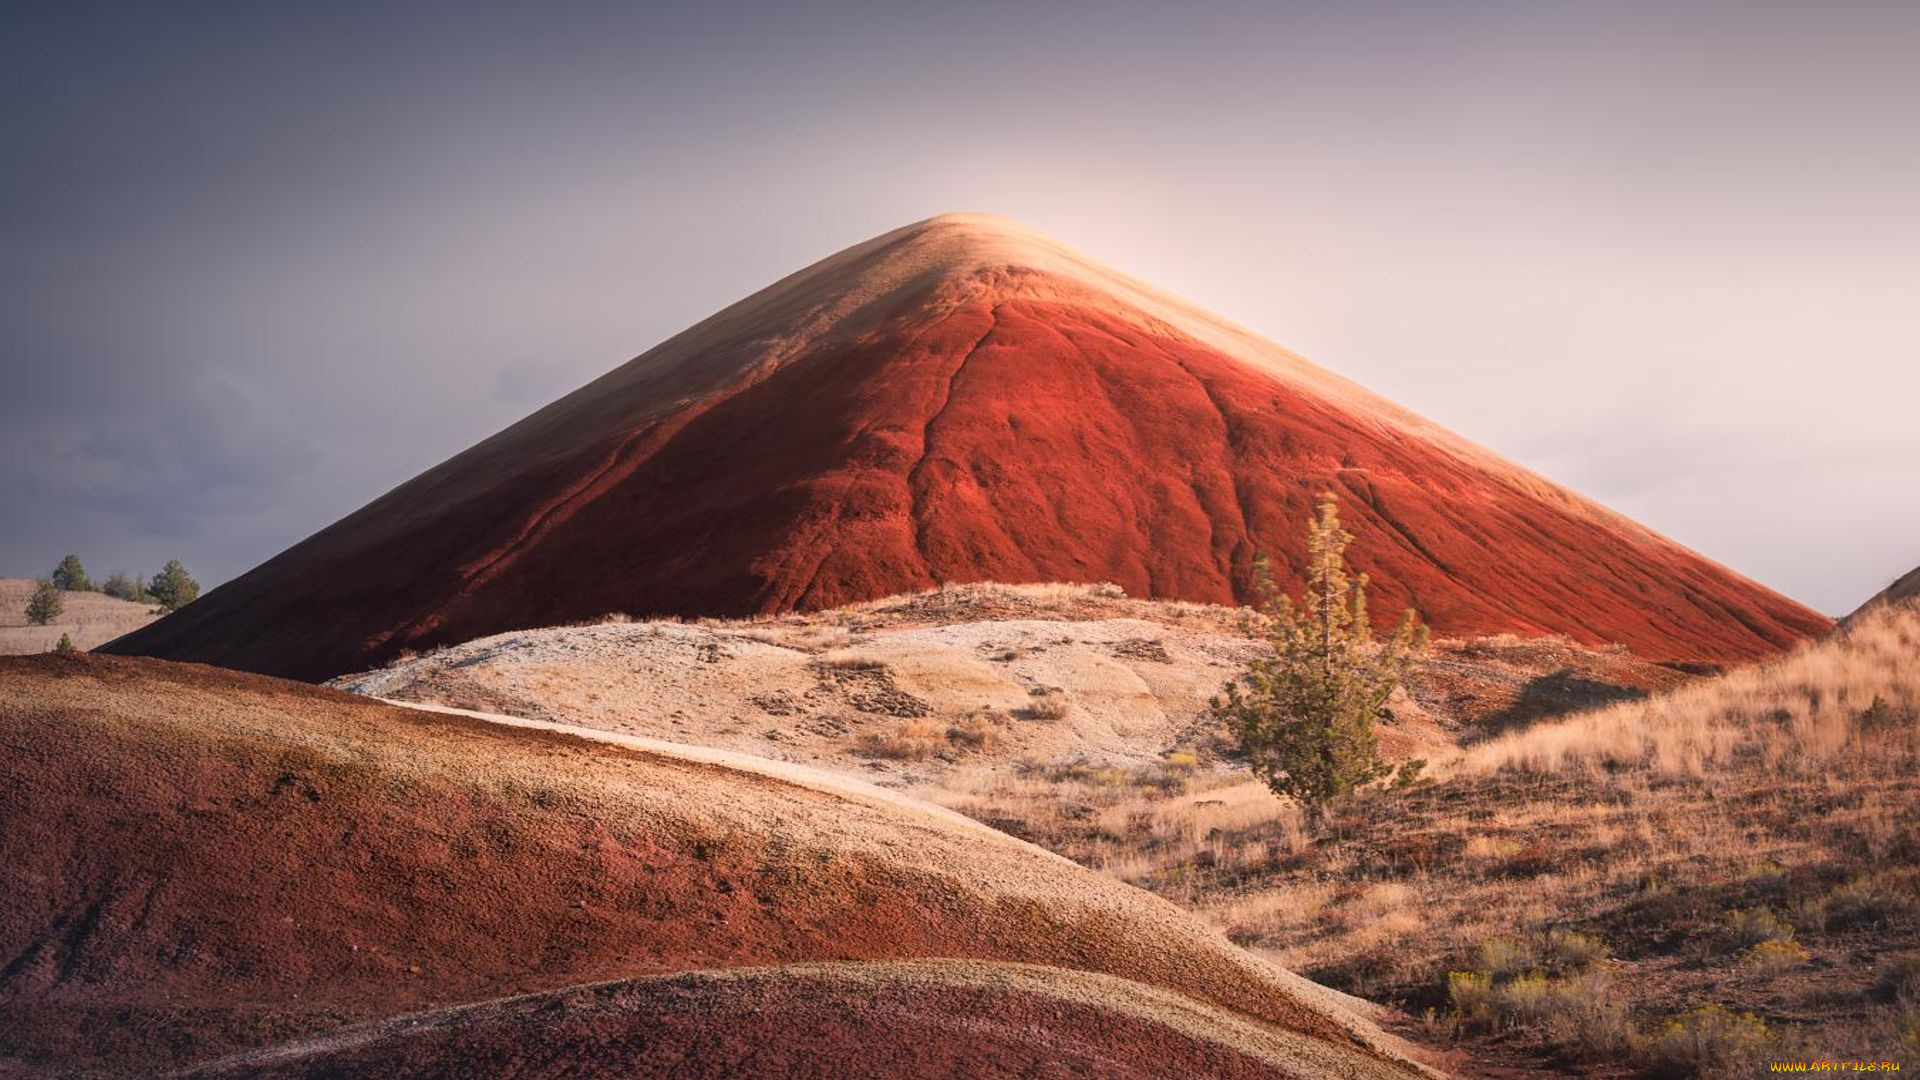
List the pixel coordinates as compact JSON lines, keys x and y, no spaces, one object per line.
{"x":959,"y":400}
{"x":933,"y":1019}
{"x":197,"y":862}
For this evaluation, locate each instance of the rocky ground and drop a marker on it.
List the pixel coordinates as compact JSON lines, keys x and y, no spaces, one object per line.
{"x":930,"y":691}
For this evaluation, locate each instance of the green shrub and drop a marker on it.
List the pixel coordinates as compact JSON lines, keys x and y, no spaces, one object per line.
{"x":1471,"y":994}
{"x":1304,"y":716}
{"x":1408,"y":774}
{"x":1872,"y":900}
{"x":1502,"y":956}
{"x":1756,"y":926}
{"x":1568,"y":950}
{"x":173,"y":588}
{"x":1877,"y":715}
{"x":70,"y":576}
{"x":121,"y":587}
{"x":45,"y":605}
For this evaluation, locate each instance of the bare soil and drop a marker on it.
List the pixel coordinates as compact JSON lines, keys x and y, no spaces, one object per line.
{"x":945,"y":690}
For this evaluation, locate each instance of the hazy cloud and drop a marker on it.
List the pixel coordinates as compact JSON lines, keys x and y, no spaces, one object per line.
{"x":258,"y":267}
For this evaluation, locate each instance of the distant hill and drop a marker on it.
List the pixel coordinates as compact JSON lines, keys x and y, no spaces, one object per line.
{"x":89,"y":618}
{"x":1906,"y":588}
{"x":961,"y":400}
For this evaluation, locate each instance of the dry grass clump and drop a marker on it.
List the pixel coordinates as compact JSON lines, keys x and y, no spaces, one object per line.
{"x":983,"y":731}
{"x":848,"y":663}
{"x":1757,"y":926}
{"x":909,"y":740}
{"x":1867,"y":901}
{"x":1149,"y":825}
{"x":918,"y":740}
{"x":1774,"y":957}
{"x":1710,"y":1041}
{"x":802,"y":638}
{"x":1047,"y":703}
{"x":1558,"y":984}
{"x":1581,"y":1014}
{"x":1556,"y":950}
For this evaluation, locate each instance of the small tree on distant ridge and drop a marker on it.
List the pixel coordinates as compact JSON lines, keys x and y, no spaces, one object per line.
{"x":65,"y":646}
{"x":45,"y":605}
{"x":1304,"y":717}
{"x":173,"y":588}
{"x":121,"y":587}
{"x":70,"y":576}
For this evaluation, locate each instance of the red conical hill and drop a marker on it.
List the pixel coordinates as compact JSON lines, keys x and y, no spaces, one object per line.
{"x":960,"y":400}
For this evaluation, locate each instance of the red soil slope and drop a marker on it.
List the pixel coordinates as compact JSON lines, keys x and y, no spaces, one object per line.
{"x":959,"y":400}
{"x":932,"y":1020}
{"x":196,"y":862}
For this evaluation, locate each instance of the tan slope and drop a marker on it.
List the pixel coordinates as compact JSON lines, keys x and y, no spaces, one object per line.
{"x":923,"y":691}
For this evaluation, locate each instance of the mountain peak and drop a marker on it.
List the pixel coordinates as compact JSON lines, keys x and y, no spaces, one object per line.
{"x":976,"y":221}
{"x":972,"y":240}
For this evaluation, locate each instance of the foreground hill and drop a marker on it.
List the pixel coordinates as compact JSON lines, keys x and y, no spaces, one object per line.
{"x":925,"y":1018}
{"x":959,"y":400}
{"x":198,"y":862}
{"x":87,"y":618}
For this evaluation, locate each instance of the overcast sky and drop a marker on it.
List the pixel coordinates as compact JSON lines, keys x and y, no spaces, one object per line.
{"x":257,"y":268}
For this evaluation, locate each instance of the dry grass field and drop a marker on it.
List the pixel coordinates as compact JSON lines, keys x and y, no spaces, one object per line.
{"x":1724,"y":874}
{"x":90,"y":619}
